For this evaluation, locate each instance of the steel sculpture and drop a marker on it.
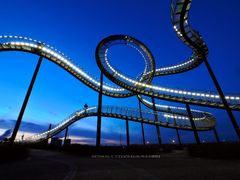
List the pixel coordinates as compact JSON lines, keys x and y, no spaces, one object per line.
{"x":124,"y":86}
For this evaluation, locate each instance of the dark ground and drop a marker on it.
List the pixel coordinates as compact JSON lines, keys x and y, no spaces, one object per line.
{"x":178,"y":165}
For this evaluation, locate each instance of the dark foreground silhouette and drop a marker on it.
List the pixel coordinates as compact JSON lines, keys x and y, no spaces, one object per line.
{"x":169,"y":162}
{"x":207,"y":150}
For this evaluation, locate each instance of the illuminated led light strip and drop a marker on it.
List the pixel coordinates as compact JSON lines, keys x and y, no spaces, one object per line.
{"x":77,"y":114}
{"x":175,"y":66}
{"x":175,"y":117}
{"x":56,"y":55}
{"x":206,"y":115}
{"x":41,"y":46}
{"x":182,"y":117}
{"x":83,"y":74}
{"x":67,"y":62}
{"x":177,"y":30}
{"x":49,"y":51}
{"x":186,"y":24}
{"x":170,"y":107}
{"x":112,"y":69}
{"x":145,"y":60}
{"x":163,"y":89}
{"x":31,"y":40}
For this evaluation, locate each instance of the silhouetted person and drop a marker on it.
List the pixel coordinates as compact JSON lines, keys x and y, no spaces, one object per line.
{"x":85,"y":107}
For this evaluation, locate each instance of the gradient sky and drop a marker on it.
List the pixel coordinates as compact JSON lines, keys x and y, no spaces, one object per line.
{"x":75,"y":27}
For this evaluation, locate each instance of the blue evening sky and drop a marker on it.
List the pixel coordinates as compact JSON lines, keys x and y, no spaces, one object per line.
{"x":75,"y":27}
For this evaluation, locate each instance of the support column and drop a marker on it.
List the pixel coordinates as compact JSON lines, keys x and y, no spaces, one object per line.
{"x":156,"y":119}
{"x":127,"y":133}
{"x":99,"y":118}
{"x":192,"y":123}
{"x":142,"y":125}
{"x":216,"y":135}
{"x":49,"y":128}
{"x":220,"y":92}
{"x":178,"y":135}
{"x":19,"y":119}
{"x":65,"y":137}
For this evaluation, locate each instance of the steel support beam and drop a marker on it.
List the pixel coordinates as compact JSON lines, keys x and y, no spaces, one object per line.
{"x":142,"y":125}
{"x":192,"y":124}
{"x":19,"y":119}
{"x":178,"y":136}
{"x":177,"y":131}
{"x":127,"y":133}
{"x":156,"y":119}
{"x":224,"y":101}
{"x":216,"y":135}
{"x":213,"y":77}
{"x":65,"y":137}
{"x":99,"y":118}
{"x":49,"y":128}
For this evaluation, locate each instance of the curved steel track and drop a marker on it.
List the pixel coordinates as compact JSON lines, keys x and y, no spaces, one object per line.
{"x":125,"y":86}
{"x":127,"y":114}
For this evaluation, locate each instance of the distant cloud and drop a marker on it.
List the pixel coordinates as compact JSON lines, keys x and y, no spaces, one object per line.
{"x":77,"y":134}
{"x":6,"y":134}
